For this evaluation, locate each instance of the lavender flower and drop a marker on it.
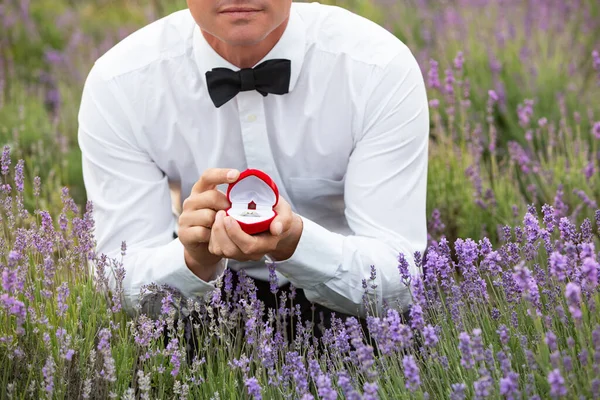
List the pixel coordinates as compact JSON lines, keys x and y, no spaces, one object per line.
{"x":273,"y":281}
{"x":458,"y":391}
{"x":558,"y":265}
{"x":37,"y":185}
{"x":532,"y":227}
{"x":433,"y":76}
{"x":596,"y":130}
{"x":483,"y":386}
{"x":550,"y":340}
{"x":370,"y":391}
{"x":411,"y":373}
{"x":345,"y":384}
{"x":459,"y":61}
{"x":589,"y":269}
{"x":573,"y":295}
{"x":5,"y":160}
{"x":326,"y":392}
{"x":465,"y":349}
{"x":253,"y":388}
{"x":509,"y":385}
{"x":403,"y":267}
{"x":19,"y":183}
{"x":526,"y":282}
{"x":557,"y":383}
{"x":48,"y":371}
{"x":430,"y":336}
{"x":416,"y":317}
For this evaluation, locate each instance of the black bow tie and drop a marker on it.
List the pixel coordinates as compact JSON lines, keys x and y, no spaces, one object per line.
{"x":271,"y":76}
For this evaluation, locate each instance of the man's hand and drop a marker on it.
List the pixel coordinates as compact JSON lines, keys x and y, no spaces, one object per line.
{"x":229,"y":240}
{"x":198,"y":217}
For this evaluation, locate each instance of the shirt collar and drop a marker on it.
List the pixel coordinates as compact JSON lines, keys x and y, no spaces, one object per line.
{"x":291,"y":45}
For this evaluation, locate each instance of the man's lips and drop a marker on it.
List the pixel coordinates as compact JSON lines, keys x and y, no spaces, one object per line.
{"x":239,"y":10}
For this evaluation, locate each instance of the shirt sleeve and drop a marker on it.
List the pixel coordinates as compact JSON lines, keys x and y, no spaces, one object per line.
{"x":385,"y":200}
{"x":130,"y":197}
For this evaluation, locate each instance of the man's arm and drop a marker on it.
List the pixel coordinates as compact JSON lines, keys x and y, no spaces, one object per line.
{"x":130,"y":196}
{"x":385,"y":197}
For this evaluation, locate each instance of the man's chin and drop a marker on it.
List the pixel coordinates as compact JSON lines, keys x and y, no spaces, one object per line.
{"x":244,"y":37}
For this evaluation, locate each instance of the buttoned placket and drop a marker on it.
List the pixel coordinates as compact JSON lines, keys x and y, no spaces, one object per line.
{"x":255,"y":136}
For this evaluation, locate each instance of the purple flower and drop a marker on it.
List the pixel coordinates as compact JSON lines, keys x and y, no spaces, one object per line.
{"x":363,"y":352}
{"x":108,"y":371}
{"x":63,"y":294}
{"x":173,"y":350}
{"x":532,"y":227}
{"x":48,"y":371}
{"x":273,"y":280}
{"x":253,"y":387}
{"x":19,"y":176}
{"x":430,"y":336}
{"x":15,"y":307}
{"x":559,"y":206}
{"x":477,"y":345}
{"x":345,"y":384}
{"x":551,"y":341}
{"x":449,"y":83}
{"x":459,"y":61}
{"x":596,"y":130}
{"x":326,"y":392}
{"x":9,"y":279}
{"x":465,"y":349}
{"x":403,"y":267}
{"x":458,"y":391}
{"x":411,"y":373}
{"x":5,"y":160}
{"x":573,"y":295}
{"x":166,"y":303}
{"x":370,"y":391}
{"x":433,"y":80}
{"x":567,"y":230}
{"x":503,"y":333}
{"x":509,"y":385}
{"x":589,"y":170}
{"x":557,"y":383}
{"x":37,"y":184}
{"x":483,"y":387}
{"x":558,"y":265}
{"x":69,"y":355}
{"x":526,"y":282}
{"x":525,"y":111}
{"x":590,"y":270}
{"x":416,"y":317}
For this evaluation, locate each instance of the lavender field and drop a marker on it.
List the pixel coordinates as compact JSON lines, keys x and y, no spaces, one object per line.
{"x":506,"y":307}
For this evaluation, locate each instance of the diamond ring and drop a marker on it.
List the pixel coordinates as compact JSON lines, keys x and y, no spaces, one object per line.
{"x":250,"y":213}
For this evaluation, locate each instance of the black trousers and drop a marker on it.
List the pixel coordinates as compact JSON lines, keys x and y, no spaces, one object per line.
{"x":320,"y":316}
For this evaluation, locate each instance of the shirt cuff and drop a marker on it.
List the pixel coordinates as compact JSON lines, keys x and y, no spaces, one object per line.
{"x":316,"y":259}
{"x":183,"y":279}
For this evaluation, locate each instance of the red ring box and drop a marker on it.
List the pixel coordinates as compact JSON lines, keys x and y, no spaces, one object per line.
{"x":253,"y":191}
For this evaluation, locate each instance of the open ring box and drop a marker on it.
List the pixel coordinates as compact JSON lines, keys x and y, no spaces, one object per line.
{"x":253,"y":197}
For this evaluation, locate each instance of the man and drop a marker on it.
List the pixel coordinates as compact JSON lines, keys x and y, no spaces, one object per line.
{"x":338,"y":117}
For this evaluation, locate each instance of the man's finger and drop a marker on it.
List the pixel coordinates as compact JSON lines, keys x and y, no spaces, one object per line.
{"x":213,"y":199}
{"x":193,"y":236}
{"x":213,"y":177}
{"x":284,"y":219}
{"x":204,"y":217}
{"x":222,"y":240}
{"x":248,"y":244}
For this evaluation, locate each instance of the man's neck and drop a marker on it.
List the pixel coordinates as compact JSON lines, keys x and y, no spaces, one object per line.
{"x":246,"y":56}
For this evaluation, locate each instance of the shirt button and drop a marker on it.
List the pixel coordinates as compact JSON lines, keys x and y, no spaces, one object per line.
{"x":251,"y":118}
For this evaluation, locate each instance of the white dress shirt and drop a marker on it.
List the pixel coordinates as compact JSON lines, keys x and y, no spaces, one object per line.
{"x":347,"y":147}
